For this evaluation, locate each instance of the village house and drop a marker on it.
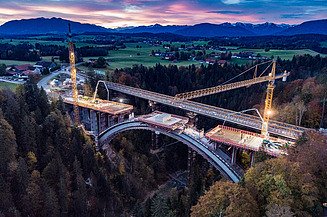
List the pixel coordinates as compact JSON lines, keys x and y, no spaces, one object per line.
{"x":42,"y":65}
{"x":23,"y":70}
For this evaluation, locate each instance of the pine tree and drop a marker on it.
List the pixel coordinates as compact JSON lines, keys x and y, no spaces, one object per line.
{"x":20,"y":183}
{"x":63,"y":196}
{"x":80,"y":193}
{"x":34,"y":200}
{"x":160,"y":208}
{"x":43,"y":103}
{"x":7,"y":146}
{"x":51,"y":202}
{"x":27,"y":140}
{"x":6,"y":202}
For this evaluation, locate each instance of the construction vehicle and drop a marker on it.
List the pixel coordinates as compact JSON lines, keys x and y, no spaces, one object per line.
{"x":271,"y":77}
{"x":73,"y":74}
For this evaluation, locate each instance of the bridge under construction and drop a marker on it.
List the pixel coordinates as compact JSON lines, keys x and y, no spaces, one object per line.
{"x":104,"y":119}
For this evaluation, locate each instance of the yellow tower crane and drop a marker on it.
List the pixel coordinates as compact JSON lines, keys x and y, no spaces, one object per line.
{"x":73,"y":75}
{"x":246,"y":83}
{"x":268,"y":102}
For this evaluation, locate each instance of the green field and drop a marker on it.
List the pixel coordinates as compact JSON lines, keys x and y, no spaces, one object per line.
{"x":283,"y":54}
{"x":44,"y":42}
{"x":129,"y":56}
{"x":15,"y":62}
{"x":4,"y":85}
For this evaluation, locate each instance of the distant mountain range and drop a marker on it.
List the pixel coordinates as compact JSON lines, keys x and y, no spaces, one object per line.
{"x":59,"y":26}
{"x":44,"y":26}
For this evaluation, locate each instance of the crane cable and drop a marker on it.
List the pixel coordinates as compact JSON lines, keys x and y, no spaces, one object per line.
{"x":249,"y":70}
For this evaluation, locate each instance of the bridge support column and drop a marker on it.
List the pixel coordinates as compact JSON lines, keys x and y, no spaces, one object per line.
{"x":190,"y":162}
{"x":155,"y":139}
{"x":234,"y":154}
{"x":102,"y":122}
{"x":192,"y":119}
{"x":214,"y":145}
{"x":94,"y":122}
{"x":153,"y":106}
{"x":252,"y":159}
{"x":120,"y":118}
{"x":111,"y":121}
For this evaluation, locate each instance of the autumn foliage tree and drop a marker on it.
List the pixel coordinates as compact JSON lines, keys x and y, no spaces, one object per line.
{"x":226,"y":199}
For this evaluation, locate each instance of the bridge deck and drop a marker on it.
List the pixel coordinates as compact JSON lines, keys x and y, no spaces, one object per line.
{"x":105,"y":106}
{"x":172,"y":122}
{"x":247,"y":140}
{"x":276,"y":128}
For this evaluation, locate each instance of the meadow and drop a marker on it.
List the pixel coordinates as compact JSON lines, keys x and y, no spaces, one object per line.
{"x":139,"y":53}
{"x":132,"y":55}
{"x":5,"y":85}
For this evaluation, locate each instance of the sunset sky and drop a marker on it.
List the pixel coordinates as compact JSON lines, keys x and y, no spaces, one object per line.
{"x":121,"y":13}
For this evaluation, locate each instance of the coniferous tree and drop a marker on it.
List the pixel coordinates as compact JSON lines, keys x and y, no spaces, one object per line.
{"x":160,"y":208}
{"x":34,"y":200}
{"x":79,"y":193}
{"x":7,"y":146}
{"x":20,"y":183}
{"x":51,"y":202}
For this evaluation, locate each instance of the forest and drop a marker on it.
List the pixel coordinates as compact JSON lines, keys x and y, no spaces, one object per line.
{"x":30,"y":52}
{"x":51,"y":168}
{"x":275,"y":42}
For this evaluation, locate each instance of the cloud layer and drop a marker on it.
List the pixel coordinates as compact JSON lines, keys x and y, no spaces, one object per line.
{"x":121,"y":13}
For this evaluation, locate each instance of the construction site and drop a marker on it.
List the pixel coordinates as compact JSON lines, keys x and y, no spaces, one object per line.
{"x":165,"y":120}
{"x":99,"y":105}
{"x":104,"y":118}
{"x":248,"y":140}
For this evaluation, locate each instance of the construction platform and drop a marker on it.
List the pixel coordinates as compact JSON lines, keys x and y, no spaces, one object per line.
{"x":104,"y":106}
{"x":248,"y":140}
{"x":165,"y":120}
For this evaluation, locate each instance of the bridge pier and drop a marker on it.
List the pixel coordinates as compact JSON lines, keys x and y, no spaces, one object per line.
{"x":154,"y":139}
{"x":192,"y":119}
{"x":234,"y":155}
{"x":94,"y":122}
{"x":190,"y":162}
{"x":252,"y":160}
{"x":153,"y":106}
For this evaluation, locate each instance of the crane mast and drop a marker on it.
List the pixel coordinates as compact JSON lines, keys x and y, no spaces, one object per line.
{"x":73,"y":75}
{"x":268,"y":101}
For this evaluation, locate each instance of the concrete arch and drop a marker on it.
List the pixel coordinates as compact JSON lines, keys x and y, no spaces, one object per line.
{"x":213,"y":158}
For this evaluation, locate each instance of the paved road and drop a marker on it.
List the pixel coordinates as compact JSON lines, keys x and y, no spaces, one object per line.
{"x":10,"y":81}
{"x":44,"y":81}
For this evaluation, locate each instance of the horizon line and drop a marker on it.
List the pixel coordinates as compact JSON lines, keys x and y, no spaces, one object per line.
{"x":254,"y":23}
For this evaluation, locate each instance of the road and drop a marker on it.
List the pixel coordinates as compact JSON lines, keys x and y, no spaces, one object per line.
{"x":45,"y":80}
{"x":11,"y":81}
{"x":254,"y":122}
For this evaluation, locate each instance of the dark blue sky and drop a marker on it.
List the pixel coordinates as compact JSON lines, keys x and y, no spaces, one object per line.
{"x":120,"y":13}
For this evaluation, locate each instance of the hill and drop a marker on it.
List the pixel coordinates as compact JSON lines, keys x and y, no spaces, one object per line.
{"x":45,"y":25}
{"x":264,"y":28}
{"x":157,"y":28}
{"x":309,"y":27}
{"x":214,"y":30}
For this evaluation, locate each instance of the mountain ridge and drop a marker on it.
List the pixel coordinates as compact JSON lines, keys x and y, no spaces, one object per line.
{"x":59,"y":26}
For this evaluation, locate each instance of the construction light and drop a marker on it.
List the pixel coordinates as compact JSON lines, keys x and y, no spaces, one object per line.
{"x":121,"y":100}
{"x":270,"y":112}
